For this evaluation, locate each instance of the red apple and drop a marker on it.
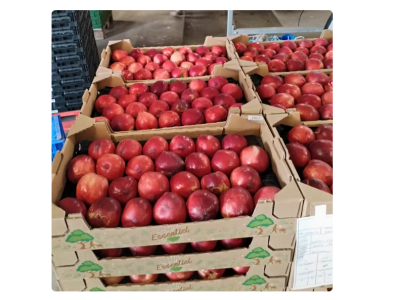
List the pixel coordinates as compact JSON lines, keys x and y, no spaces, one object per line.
{"x":211,"y":274}
{"x":262,"y":58}
{"x":240,"y":47}
{"x":146,"y":121}
{"x":215,"y":114}
{"x":137,"y":212}
{"x":255,"y":157}
{"x":318,"y":49}
{"x":241,"y":270}
{"x":189,"y":95}
{"x":295,"y":79}
{"x":187,"y":65}
{"x":202,"y":104}
{"x":202,"y":50}
{"x":268,"y":52}
{"x":216,"y":183}
{"x":98,"y":119}
{"x":174,"y":248}
{"x":155,"y":146}
{"x":319,"y":170}
{"x":205,"y":61}
{"x":283,"y":57}
{"x":301,"y":134}
{"x":322,"y":150}
{"x":266,"y":192}
{"x":105,"y":212}
{"x":79,"y":166}
{"x":218,"y":50}
{"x":318,"y":184}
{"x":147,"y":99}
{"x":136,"y":52}
{"x":317,"y":77}
{"x":117,"y":66}
{"x":273,"y":80}
{"x":247,"y":178}
{"x":273,"y":45}
{"x":160,"y":58}
{"x":310,"y":99}
{"x":248,"y":58}
{"x":152,"y":52}
{"x":217,"y":82}
{"x":324,"y":132}
{"x":328,"y":63}
{"x":123,"y":189}
{"x":234,"y":142}
{"x":205,"y":246}
{"x":305,"y":43}
{"x":116,"y":252}
{"x":316,"y":55}
{"x":307,"y":112}
{"x":143,"y":250}
{"x":202,"y":205}
{"x":112,"y":111}
{"x":152,"y":185}
{"x":192,"y":116}
{"x":221,"y":61}
{"x":313,"y":88}
{"x":73,"y":206}
{"x":265,"y":91}
{"x":290,"y":89}
{"x":179,"y":106}
{"x":303,"y":50}
{"x":298,"y":154}
{"x":148,"y":278}
{"x":161,"y":74}
{"x":225,"y":161}
{"x":295,"y":65}
{"x":135,"y":67}
{"x":169,"y":119}
{"x":104,"y":101}
{"x":124,"y":122}
{"x":169,"y":163}
{"x":169,"y":66}
{"x":185,"y":50}
{"x":225,"y":100}
{"x":169,"y":209}
{"x":327,"y":98}
{"x":138,"y":89}
{"x":196,"y":85}
{"x":143,"y":59}
{"x":286,"y":50}
{"x":179,"y":276}
{"x":233,"y":243}
{"x":158,"y":107}
{"x":233,"y":90}
{"x":314,"y":64}
{"x":111,"y":166}
{"x":289,"y":44}
{"x":179,"y":73}
{"x":117,"y":55}
{"x":192,"y":57}
{"x":113,"y":280}
{"x":177,"y":87}
{"x":198,"y":70}
{"x":158,"y":88}
{"x":135,"y":108}
{"x":184,"y":184}
{"x":208,"y":145}
{"x":100,"y":147}
{"x":209,"y":93}
{"x":255,"y":45}
{"x":125,"y":100}
{"x":198,"y":164}
{"x":236,"y":202}
{"x":138,"y":166}
{"x":276,"y":65}
{"x":299,"y":55}
{"x":326,"y":112}
{"x":152,"y":66}
{"x":143,"y":74}
{"x":169,"y":97}
{"x":182,"y":145}
{"x":283,"y":99}
{"x":128,"y":149}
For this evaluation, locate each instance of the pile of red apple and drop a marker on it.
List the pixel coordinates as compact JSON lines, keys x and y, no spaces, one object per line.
{"x":312,"y":152}
{"x":167,"y":105}
{"x":131,"y":185}
{"x":290,"y":56}
{"x":169,"y":63}
{"x":310,"y":95}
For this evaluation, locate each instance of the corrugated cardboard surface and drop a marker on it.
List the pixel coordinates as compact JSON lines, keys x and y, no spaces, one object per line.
{"x":262,"y":70}
{"x":272,"y":223}
{"x":327,"y":34}
{"x":254,"y":280}
{"x":312,"y":196}
{"x":126,"y":45}
{"x":317,"y":289}
{"x":253,"y":105}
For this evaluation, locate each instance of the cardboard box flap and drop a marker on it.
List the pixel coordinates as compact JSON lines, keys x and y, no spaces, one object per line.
{"x":102,"y":70}
{"x":110,"y":43}
{"x":58,"y":225}
{"x":81,"y":123}
{"x":286,"y":198}
{"x":76,"y":285}
{"x":236,"y":123}
{"x":314,"y":198}
{"x":271,"y":111}
{"x":215,"y":41}
{"x":219,"y":70}
{"x":260,"y":69}
{"x":327,"y":34}
{"x":56,"y":162}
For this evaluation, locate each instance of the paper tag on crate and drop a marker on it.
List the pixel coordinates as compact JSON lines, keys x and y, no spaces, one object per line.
{"x":313,"y":264}
{"x":255,"y":118}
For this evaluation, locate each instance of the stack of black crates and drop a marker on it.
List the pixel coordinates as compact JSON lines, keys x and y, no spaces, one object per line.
{"x":74,"y":58}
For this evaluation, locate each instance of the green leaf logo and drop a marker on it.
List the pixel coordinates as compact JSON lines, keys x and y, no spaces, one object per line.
{"x":173,"y":239}
{"x":172,"y":80}
{"x":176,"y":269}
{"x":96,"y":289}
{"x":257,"y":253}
{"x":255,"y":279}
{"x":260,"y":221}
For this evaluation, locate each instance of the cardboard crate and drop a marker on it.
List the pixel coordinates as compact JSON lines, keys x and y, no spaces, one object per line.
{"x":126,"y":45}
{"x":254,"y":280}
{"x":327,"y":34}
{"x":292,"y":118}
{"x":262,"y":70}
{"x":272,"y":223}
{"x":252,"y":107}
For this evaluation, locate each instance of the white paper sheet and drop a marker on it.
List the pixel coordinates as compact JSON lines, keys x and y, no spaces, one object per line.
{"x":313,"y":265}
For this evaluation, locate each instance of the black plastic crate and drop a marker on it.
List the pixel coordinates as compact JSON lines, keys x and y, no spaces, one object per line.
{"x":75,"y":93}
{"x":76,"y":80}
{"x":75,"y":105}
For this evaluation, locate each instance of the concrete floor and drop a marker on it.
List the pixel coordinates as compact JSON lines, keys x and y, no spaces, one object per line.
{"x":159,"y":28}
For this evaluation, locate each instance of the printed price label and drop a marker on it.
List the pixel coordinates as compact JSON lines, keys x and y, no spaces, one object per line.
{"x":255,"y":118}
{"x":313,"y":262}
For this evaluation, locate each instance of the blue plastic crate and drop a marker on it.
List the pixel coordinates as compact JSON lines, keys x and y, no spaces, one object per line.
{"x":57,"y":135}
